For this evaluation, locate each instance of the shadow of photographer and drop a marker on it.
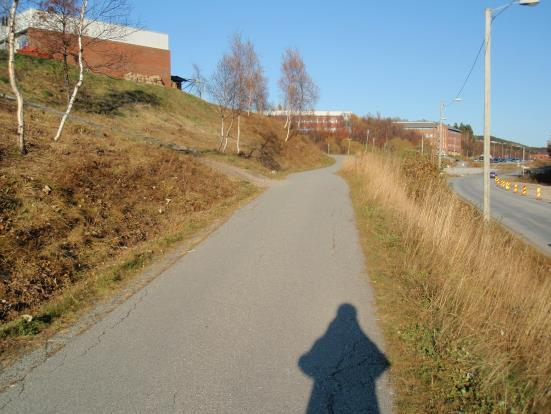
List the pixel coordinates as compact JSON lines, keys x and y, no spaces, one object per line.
{"x":344,"y":365}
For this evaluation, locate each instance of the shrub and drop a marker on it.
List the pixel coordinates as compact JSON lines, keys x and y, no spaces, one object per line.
{"x":110,"y":103}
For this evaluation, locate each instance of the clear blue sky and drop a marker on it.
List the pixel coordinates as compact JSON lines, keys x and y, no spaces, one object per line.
{"x":399,"y":58}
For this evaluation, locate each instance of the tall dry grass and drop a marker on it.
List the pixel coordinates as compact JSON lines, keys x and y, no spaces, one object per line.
{"x":486,"y":289}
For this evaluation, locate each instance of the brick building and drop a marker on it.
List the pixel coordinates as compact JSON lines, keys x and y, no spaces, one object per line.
{"x":430,"y":131}
{"x":332,"y":122}
{"x":114,"y":50}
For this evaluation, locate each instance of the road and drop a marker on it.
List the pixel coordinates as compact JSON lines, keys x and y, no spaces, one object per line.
{"x":528,"y":217}
{"x":271,"y":314}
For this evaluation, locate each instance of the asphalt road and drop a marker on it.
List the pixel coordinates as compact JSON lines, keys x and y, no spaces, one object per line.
{"x":271,"y":314}
{"x":528,"y":217}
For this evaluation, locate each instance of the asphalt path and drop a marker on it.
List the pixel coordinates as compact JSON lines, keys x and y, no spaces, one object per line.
{"x":528,"y":217}
{"x":271,"y":314}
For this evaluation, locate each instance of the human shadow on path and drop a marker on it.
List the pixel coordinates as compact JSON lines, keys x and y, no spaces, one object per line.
{"x":344,"y":365}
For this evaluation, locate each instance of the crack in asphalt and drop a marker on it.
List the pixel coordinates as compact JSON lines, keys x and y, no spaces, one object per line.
{"x":174,"y":400}
{"x":121,"y":320}
{"x":47,"y":352}
{"x":21,"y":390}
{"x":337,"y":383}
{"x":63,"y":358}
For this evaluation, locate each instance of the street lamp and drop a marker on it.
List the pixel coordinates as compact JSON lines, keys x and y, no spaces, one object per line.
{"x":443,"y":105}
{"x":487,"y":82}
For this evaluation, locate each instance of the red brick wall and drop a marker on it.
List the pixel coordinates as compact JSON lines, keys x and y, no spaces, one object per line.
{"x":110,"y":58}
{"x":452,"y":143}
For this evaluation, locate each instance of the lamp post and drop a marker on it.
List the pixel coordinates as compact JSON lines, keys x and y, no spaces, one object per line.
{"x":443,"y":105}
{"x":489,"y":13}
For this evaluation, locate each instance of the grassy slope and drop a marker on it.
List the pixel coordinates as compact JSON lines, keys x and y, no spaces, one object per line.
{"x":464,"y":310}
{"x":78,"y":217}
{"x":177,"y":118}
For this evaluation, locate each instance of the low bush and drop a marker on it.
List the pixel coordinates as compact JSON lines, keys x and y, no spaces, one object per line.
{"x":110,"y":103}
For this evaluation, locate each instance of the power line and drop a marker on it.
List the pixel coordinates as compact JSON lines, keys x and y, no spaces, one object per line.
{"x":458,"y":94}
{"x":479,"y":52}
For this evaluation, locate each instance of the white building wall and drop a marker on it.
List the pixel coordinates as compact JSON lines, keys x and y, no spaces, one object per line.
{"x":123,"y":34}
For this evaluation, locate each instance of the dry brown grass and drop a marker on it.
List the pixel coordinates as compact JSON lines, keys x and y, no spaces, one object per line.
{"x":479,"y":289}
{"x":69,"y":207}
{"x":176,"y":117}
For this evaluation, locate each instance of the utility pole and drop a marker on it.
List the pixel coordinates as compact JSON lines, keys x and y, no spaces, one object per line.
{"x":441,"y":138}
{"x":441,"y":135}
{"x":366,"y":141}
{"x":422,"y":144}
{"x":523,"y":148}
{"x":487,"y":89}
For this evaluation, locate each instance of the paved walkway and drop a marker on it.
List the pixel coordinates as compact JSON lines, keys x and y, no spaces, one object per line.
{"x":271,"y":314}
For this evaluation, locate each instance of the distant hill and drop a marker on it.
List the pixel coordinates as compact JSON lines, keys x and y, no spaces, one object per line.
{"x":509,"y":141}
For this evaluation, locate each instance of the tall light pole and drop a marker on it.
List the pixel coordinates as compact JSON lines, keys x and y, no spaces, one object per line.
{"x":523,"y":152}
{"x":489,"y":13}
{"x":443,"y":105}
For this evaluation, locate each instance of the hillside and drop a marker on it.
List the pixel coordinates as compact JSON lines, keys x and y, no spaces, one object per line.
{"x":79,"y":216}
{"x":139,"y":111}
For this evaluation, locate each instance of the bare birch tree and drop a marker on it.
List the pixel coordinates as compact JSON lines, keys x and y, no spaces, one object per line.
{"x":222,"y":88}
{"x":253,"y":74}
{"x":13,"y":80}
{"x":237,"y":85}
{"x":198,"y":80}
{"x":260,"y":98}
{"x":76,"y":25}
{"x":239,"y":62}
{"x":58,"y":17}
{"x":300,"y":93}
{"x":80,"y":29}
{"x":105,"y":20}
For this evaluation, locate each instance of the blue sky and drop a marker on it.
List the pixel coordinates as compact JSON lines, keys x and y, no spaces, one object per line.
{"x":399,"y":58}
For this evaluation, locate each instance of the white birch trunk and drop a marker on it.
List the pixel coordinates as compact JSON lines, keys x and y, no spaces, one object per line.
{"x":287,"y":119}
{"x":221,"y":135}
{"x":228,"y":134}
{"x":288,"y":131}
{"x":13,"y":81}
{"x":249,"y":108}
{"x":238,"y":133}
{"x":80,"y":75}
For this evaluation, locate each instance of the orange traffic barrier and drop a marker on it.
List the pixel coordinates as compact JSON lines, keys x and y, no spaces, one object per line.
{"x":524,"y":192}
{"x":508,"y":186}
{"x":538,"y":193}
{"x":515,"y":188}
